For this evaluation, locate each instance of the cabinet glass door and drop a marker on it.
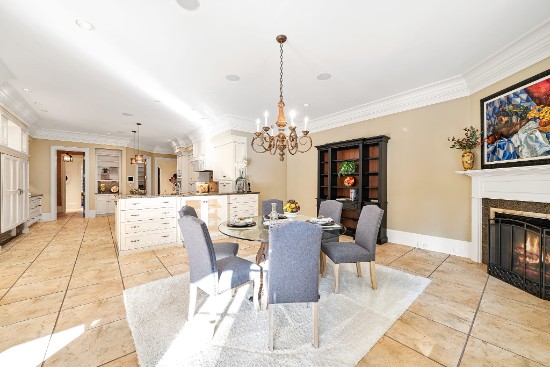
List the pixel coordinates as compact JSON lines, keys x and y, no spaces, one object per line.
{"x":217,"y":212}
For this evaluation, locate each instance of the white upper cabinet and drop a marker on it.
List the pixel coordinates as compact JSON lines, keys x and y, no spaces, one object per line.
{"x":229,"y":152}
{"x":13,"y":135}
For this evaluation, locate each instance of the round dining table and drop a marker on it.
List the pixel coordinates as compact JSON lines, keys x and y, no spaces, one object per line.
{"x":260,"y":232}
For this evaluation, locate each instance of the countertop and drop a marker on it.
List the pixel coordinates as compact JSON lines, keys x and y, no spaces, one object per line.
{"x":187,"y":194}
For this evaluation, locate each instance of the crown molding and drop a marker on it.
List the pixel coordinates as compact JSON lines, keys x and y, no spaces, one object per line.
{"x":78,"y":137}
{"x":441,"y":91}
{"x":526,"y":50}
{"x":163,"y":150}
{"x":16,"y":105}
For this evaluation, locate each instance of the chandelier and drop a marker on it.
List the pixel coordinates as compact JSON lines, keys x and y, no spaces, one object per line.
{"x":272,"y":141}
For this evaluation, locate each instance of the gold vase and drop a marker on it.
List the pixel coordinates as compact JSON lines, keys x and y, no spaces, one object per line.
{"x":468,"y":160}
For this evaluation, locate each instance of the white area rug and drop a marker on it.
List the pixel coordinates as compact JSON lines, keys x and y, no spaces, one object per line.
{"x":351,"y":322}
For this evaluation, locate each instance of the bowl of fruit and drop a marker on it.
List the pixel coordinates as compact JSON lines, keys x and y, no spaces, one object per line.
{"x":291,"y":208}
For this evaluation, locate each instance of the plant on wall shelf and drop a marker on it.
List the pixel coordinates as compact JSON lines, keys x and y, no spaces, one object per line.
{"x":347,"y":168}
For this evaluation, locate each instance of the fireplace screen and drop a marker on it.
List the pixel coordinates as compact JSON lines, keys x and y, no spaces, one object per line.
{"x":519,"y":252}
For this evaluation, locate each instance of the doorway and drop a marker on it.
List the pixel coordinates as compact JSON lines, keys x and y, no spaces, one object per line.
{"x":143,"y":175}
{"x":70,"y":181}
{"x":166,"y":169}
{"x":68,"y":187}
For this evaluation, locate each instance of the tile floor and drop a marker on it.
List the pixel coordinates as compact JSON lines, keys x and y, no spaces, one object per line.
{"x":61,"y":304}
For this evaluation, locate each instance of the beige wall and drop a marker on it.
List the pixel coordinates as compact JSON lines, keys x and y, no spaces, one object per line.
{"x":40,"y":167}
{"x":425,"y":195}
{"x":72,"y":185}
{"x":167,"y":169}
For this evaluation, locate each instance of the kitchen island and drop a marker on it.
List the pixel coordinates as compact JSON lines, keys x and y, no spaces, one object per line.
{"x":143,"y":222}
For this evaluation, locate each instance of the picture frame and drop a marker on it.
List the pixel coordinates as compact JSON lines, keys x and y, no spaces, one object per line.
{"x":515,"y":124}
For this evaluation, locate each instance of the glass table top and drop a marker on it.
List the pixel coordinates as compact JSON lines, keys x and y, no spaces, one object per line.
{"x":260,"y":232}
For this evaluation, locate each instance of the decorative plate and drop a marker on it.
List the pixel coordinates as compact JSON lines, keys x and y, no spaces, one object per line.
{"x":114,"y":189}
{"x":241,"y":224}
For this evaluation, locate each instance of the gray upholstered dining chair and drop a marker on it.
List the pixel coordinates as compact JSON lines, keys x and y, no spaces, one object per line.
{"x":293,"y":270}
{"x":206,"y":272}
{"x":221,"y":249}
{"x":266,"y":206}
{"x":331,"y":209}
{"x":362,"y":250}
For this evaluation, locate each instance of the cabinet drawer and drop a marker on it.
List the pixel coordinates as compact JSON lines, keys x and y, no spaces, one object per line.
{"x":146,"y":203}
{"x":138,"y":215}
{"x":131,"y":228}
{"x":242,"y":213}
{"x":149,"y":239}
{"x":243,"y":198}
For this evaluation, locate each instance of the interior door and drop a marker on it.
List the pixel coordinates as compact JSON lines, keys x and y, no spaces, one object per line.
{"x":23,"y":185}
{"x":10,"y":192}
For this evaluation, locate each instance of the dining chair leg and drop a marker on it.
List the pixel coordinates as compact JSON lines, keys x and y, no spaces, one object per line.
{"x":270,"y":310}
{"x":373,"y":274}
{"x":358,"y":265}
{"x":316,"y":324}
{"x":192,"y":301}
{"x":336,"y":274}
{"x":255,"y":292}
{"x":323,"y":264}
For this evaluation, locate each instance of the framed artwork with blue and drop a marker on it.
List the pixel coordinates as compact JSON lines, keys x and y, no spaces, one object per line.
{"x":515,"y":124}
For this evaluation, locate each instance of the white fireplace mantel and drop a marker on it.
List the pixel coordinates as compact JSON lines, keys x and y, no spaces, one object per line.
{"x":530,"y":183}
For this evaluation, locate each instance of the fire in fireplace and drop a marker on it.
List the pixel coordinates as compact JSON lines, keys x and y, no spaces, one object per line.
{"x":519,"y":252}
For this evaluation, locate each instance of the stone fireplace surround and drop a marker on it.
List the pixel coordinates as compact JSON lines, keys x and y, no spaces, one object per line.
{"x":513,"y":190}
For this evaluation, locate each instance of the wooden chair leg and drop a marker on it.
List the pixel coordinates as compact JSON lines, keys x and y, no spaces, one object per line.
{"x":373,"y":274}
{"x":323,"y":264}
{"x":270,"y":310}
{"x":192,"y":301}
{"x":358,"y":265}
{"x":336,"y":274}
{"x":255,"y":293}
{"x":316,"y":324}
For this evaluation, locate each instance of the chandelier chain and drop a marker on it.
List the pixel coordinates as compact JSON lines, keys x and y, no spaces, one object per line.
{"x":281,"y":79}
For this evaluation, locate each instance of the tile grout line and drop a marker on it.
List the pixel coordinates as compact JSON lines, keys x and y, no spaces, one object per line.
{"x":117,"y":358}
{"x":438,"y":266}
{"x":32,"y":262}
{"x":406,"y":346}
{"x":163,"y":264}
{"x":116,"y":254}
{"x":397,"y":258}
{"x":473,"y":321}
{"x":67,"y":288}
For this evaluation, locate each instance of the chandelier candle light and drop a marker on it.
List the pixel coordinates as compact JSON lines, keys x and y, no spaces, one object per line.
{"x":265,"y":139}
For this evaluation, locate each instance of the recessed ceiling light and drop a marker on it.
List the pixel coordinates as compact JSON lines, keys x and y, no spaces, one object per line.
{"x":191,"y":5}
{"x":203,"y":118}
{"x":156,"y":100}
{"x":212,"y":91}
{"x":108,"y":133}
{"x":306,"y":104}
{"x":27,"y":89}
{"x":44,"y":110}
{"x":84,"y":24}
{"x":37,"y":103}
{"x":127,"y":114}
{"x":324,"y":76}
{"x":233,"y":78}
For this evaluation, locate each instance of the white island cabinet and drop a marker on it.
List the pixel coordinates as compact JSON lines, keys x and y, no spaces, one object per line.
{"x":148,"y":222}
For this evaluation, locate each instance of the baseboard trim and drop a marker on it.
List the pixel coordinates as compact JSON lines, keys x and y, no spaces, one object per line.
{"x":432,"y":243}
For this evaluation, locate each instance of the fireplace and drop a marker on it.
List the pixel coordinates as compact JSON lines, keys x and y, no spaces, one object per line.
{"x":519,"y":252}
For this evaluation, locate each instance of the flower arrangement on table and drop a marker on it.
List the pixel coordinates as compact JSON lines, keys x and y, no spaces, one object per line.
{"x":291,"y":208}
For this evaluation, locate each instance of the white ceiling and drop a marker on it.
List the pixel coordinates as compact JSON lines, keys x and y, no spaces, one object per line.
{"x":142,"y":50}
